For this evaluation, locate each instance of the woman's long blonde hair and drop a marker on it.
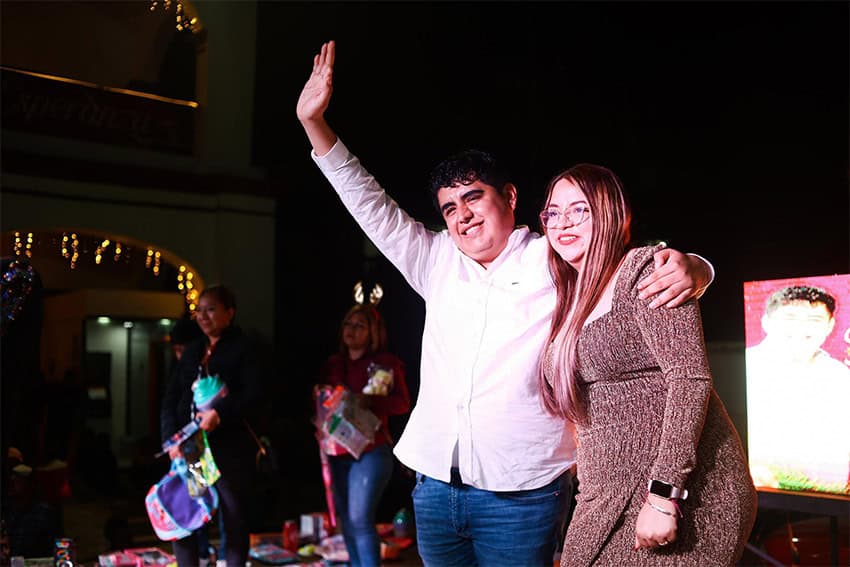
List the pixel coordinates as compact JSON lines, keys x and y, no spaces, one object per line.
{"x":578,"y":294}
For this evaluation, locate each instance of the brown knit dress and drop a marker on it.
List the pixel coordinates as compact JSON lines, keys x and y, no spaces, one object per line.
{"x":653,"y":414}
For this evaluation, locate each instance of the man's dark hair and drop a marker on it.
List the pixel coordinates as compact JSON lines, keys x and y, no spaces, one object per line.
{"x":464,"y":168}
{"x":790,"y":294}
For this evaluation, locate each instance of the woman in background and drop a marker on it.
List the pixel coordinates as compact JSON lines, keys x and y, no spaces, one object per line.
{"x":227,"y":352}
{"x":359,"y":483}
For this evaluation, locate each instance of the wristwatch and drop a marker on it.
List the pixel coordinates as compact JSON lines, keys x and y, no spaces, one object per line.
{"x":665,"y":490}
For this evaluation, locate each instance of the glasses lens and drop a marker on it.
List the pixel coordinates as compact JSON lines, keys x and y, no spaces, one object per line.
{"x":572,"y":217}
{"x":548,"y":218}
{"x":575,"y":216}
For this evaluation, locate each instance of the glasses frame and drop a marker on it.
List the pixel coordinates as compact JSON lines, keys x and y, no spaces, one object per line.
{"x":551,"y":218}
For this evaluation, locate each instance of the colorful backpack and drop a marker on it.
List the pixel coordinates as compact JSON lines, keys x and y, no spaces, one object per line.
{"x":173,"y":513}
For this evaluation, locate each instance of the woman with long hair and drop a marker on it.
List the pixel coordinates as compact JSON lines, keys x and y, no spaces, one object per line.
{"x":663,"y":478}
{"x":359,"y":482}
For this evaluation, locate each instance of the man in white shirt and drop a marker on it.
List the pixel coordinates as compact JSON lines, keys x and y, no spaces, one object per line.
{"x":797,"y":396}
{"x":492,"y":466}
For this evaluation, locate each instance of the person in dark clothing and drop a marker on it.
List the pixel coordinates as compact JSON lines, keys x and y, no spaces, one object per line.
{"x":227,"y":352}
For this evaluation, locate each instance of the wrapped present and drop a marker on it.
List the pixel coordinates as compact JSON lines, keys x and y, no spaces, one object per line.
{"x":119,"y":559}
{"x":206,"y":390}
{"x":153,"y":556}
{"x":345,"y":422}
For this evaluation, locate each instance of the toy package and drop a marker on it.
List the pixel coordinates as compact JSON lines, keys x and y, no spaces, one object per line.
{"x":380,"y":380}
{"x":347,"y":426}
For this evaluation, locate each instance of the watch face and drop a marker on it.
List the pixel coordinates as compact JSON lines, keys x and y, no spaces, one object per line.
{"x":661,"y":489}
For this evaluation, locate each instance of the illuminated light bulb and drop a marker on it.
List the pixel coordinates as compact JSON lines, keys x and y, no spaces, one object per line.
{"x":97,"y":259}
{"x":189,"y":285}
{"x":182,"y":268}
{"x":180,"y":286}
{"x":190,"y":275}
{"x":157,"y":254}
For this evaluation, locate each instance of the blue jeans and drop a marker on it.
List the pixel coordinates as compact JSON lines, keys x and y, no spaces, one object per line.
{"x":459,"y":525}
{"x":358,"y":486}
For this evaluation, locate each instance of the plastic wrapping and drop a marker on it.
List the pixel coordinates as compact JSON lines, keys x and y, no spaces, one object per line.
{"x":347,"y":427}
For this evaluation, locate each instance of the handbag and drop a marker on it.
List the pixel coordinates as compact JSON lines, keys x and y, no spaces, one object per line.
{"x":173,"y":512}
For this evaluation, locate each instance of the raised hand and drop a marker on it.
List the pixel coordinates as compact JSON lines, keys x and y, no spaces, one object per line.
{"x":315,"y":98}
{"x":316,"y":94}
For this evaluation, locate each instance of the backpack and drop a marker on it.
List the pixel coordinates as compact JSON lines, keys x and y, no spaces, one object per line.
{"x":173,"y":513}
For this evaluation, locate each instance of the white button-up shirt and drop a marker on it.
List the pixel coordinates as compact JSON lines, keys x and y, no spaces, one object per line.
{"x":484,"y":333}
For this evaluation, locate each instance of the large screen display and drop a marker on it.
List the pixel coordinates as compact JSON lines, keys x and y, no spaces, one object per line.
{"x":798,"y":383}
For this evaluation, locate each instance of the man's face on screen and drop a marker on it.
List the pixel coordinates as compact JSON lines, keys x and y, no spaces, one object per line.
{"x":797,"y":329}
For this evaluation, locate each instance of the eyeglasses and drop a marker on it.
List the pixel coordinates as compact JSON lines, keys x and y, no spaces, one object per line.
{"x":572,"y":216}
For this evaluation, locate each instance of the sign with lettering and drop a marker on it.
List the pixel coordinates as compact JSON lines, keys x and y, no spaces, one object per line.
{"x":41,"y":104}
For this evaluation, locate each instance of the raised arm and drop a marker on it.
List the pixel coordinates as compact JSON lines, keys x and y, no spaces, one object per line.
{"x":677,"y":278}
{"x":315,"y":98}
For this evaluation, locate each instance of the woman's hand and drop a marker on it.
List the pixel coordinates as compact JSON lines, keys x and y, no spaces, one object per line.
{"x":209,"y":420}
{"x":654,"y":528}
{"x":175,"y":452}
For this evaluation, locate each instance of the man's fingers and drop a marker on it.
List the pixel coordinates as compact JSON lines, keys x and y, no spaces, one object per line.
{"x":680,"y":299}
{"x":655,"y":283}
{"x":331,"y":55}
{"x":323,"y":54}
{"x":671,"y":297}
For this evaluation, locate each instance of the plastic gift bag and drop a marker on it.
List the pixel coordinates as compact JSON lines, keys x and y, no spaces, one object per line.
{"x":202,"y":472}
{"x":346,"y":423}
{"x":206,"y":390}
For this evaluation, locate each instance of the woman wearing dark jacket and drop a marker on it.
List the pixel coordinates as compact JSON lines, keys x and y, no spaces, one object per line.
{"x":224,"y":351}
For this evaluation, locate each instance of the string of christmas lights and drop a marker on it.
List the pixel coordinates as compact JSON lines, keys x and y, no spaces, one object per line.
{"x":183,"y":22}
{"x":72,"y":247}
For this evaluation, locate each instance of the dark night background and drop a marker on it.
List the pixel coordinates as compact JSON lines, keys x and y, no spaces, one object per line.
{"x":728,"y":123}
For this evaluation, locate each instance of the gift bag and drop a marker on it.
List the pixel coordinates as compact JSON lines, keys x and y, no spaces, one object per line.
{"x":327,"y":446}
{"x":173,"y":512}
{"x":346,"y":423}
{"x":202,"y":472}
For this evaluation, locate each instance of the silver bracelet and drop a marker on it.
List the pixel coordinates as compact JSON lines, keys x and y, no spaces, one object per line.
{"x":659,"y":509}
